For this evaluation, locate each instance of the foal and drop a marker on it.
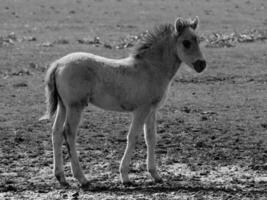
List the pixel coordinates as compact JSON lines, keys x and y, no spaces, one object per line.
{"x":136,"y":84}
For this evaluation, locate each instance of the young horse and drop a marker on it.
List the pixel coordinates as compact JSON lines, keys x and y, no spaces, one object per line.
{"x":137,"y":84}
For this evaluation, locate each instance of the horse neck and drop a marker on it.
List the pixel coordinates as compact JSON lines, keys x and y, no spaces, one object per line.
{"x":164,"y":60}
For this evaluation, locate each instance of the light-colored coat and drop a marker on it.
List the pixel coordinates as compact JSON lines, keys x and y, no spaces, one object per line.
{"x":119,"y":85}
{"x":137,"y":84}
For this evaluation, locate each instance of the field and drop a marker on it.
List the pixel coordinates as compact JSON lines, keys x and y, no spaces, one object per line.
{"x":212,"y":132}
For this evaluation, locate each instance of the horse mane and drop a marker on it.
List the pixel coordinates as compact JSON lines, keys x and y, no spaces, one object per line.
{"x":154,"y":36}
{"x":151,"y":38}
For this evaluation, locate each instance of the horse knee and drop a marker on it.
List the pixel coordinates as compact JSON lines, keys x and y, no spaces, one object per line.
{"x":132,"y":139}
{"x":124,"y":169}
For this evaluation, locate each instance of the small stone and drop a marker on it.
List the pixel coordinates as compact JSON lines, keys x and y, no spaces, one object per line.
{"x":47,"y":44}
{"x":17,"y":85}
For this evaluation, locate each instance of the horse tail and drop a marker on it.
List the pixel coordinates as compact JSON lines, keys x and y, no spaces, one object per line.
{"x":51,"y":92}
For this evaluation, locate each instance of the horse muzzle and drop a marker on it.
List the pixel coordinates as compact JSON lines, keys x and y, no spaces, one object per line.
{"x":199,"y":65}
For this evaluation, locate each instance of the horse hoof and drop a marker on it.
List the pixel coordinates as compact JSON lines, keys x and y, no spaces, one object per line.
{"x":86,"y":185}
{"x":159,"y":180}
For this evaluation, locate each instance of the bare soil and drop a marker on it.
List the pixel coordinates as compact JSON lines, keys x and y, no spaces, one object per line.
{"x":212,"y":132}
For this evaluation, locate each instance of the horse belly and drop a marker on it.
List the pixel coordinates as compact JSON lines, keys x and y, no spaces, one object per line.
{"x":109,"y":102}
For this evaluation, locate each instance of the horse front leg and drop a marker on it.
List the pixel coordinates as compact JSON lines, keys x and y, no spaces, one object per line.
{"x":135,"y":128}
{"x":150,"y":138}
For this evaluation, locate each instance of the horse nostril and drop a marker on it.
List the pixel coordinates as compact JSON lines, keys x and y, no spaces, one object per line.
{"x":203,"y":63}
{"x":199,"y":65}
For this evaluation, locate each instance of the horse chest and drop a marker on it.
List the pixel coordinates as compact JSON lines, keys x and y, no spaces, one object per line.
{"x":153,"y":94}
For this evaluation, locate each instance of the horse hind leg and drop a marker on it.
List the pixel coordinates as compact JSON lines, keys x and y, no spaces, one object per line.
{"x":57,"y":140}
{"x":70,"y":127}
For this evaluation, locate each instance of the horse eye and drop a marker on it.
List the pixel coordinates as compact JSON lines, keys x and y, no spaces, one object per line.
{"x":187,"y":44}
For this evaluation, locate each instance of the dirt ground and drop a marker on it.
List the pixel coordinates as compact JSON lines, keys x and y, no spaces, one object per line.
{"x":212,"y":132}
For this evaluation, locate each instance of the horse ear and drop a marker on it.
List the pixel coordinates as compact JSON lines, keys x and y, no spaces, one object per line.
{"x":194,"y":23}
{"x":179,"y":25}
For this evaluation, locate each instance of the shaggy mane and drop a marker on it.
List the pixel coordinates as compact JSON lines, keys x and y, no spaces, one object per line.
{"x":155,"y":35}
{"x":151,"y":38}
